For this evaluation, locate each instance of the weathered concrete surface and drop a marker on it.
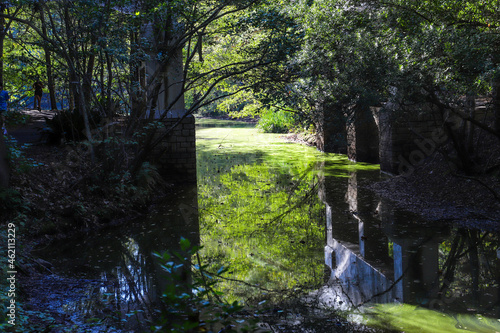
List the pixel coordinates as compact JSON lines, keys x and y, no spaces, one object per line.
{"x":175,"y":155}
{"x":398,"y":137}
{"x":362,"y":135}
{"x":331,"y":134}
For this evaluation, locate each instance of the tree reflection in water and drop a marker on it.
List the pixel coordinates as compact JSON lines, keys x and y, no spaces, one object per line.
{"x":378,"y":254}
{"x":470,"y":272}
{"x":261,"y":215}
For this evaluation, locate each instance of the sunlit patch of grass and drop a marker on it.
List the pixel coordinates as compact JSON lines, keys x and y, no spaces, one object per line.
{"x":211,"y":122}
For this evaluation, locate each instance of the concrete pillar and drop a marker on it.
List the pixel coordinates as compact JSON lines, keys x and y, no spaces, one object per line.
{"x":386,"y":151}
{"x":170,"y":94}
{"x":175,"y":155}
{"x":362,"y":135}
{"x":408,"y":136}
{"x":331,"y":129}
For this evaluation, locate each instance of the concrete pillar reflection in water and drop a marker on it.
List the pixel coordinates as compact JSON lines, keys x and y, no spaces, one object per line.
{"x":415,"y":252}
{"x":416,"y":266}
{"x":350,"y":238}
{"x":358,"y":250}
{"x":140,"y":279}
{"x":373,"y":243}
{"x":183,"y":223}
{"x":338,"y":222}
{"x":121,"y":258}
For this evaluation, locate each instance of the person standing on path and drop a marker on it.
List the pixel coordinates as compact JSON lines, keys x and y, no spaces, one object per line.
{"x":38,"y":86}
{"x":4,"y":98}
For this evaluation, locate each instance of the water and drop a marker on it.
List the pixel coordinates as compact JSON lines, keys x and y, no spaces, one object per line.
{"x":290,"y":221}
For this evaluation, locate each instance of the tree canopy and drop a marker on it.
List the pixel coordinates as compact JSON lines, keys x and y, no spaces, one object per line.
{"x":301,"y":60}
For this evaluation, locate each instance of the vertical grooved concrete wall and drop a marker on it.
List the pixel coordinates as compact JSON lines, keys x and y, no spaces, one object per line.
{"x":399,"y":138}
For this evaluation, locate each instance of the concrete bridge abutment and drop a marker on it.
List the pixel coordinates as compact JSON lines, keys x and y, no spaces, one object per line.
{"x":399,"y":138}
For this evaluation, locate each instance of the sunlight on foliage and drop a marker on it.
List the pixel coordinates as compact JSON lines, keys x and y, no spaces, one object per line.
{"x":409,"y":318}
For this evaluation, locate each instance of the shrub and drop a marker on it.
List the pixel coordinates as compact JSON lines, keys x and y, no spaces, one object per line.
{"x":193,"y":304}
{"x":276,"y":121}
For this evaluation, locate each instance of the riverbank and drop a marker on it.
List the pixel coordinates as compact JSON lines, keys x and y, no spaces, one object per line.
{"x":56,"y":193}
{"x":439,"y":192}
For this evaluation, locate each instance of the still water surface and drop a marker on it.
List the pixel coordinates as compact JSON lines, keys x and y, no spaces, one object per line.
{"x":288,"y":220}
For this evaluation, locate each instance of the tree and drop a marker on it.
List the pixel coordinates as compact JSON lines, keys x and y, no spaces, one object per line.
{"x":221,"y":42}
{"x":358,"y":54}
{"x":103,"y":47}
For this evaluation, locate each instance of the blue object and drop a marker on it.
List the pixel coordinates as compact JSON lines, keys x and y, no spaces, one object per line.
{"x":4,"y":97}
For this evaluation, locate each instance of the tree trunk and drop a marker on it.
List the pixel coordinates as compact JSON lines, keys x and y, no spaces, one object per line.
{"x":2,"y":38}
{"x":470,"y":105}
{"x":4,"y":165}
{"x":74,"y":80}
{"x":71,"y":98}
{"x":138,"y":99}
{"x":495,"y":87}
{"x":48,"y":64}
{"x":87,"y":79}
{"x":109,"y":101}
{"x":496,"y":101}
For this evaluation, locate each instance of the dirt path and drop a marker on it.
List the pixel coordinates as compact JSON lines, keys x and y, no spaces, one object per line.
{"x":31,"y":131}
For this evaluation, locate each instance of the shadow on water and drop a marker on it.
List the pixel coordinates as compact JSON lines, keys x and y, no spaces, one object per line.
{"x":122,"y":276}
{"x":300,"y":231}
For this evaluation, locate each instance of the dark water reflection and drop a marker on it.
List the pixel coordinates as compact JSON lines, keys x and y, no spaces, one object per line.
{"x":123,"y":277}
{"x":378,"y":254}
{"x":373,"y":252}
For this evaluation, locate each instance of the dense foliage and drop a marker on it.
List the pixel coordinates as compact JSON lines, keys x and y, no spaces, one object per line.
{"x":291,"y":63}
{"x":347,"y":55}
